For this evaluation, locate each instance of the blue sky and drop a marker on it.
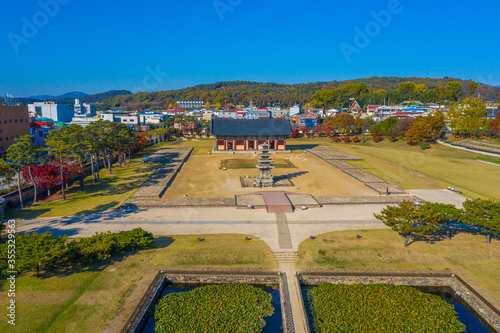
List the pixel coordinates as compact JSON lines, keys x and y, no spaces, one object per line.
{"x":95,"y":45}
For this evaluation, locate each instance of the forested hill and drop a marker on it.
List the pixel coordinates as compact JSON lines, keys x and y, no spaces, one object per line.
{"x":331,"y":94}
{"x":95,"y":98}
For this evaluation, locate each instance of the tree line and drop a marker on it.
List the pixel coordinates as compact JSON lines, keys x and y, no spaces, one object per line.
{"x":413,"y":130}
{"x":68,"y":149}
{"x":374,"y":90}
{"x":411,"y":219}
{"x":42,"y":251}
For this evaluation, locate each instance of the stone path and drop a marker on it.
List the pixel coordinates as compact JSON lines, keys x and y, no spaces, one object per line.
{"x":337,"y":159}
{"x":299,"y":319}
{"x":157,"y":184}
{"x":284,"y":239}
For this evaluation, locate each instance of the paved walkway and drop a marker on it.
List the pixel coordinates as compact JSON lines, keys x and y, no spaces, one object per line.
{"x":443,"y":196}
{"x":466,"y":149}
{"x":284,"y":240}
{"x":257,"y":222}
{"x":299,"y":319}
{"x":188,"y":221}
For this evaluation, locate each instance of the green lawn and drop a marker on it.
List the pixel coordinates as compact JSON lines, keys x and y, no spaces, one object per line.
{"x":110,"y":193}
{"x":411,"y":167}
{"x":104,"y":296}
{"x":468,"y":255}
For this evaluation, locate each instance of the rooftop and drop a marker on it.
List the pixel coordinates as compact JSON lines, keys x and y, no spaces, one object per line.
{"x":247,"y":127}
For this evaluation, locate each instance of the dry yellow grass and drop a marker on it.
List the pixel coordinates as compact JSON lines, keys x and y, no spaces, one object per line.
{"x":467,"y":255}
{"x":201,"y":177}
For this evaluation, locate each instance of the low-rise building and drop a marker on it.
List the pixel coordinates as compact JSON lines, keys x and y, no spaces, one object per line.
{"x":130,"y":119}
{"x":250,"y":134}
{"x":84,"y":120}
{"x":356,"y":106}
{"x":307,"y":119}
{"x":52,"y":110}
{"x":175,"y":111}
{"x":14,"y":122}
{"x":191,"y":104}
{"x":294,"y":110}
{"x":39,"y":130}
{"x":231,"y":114}
{"x":257,"y":114}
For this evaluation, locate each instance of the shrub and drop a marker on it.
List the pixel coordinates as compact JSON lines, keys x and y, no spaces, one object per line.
{"x":403,"y":126}
{"x":355,"y":139}
{"x":336,"y":139}
{"x":346,"y":139}
{"x":376,"y":136}
{"x":393,"y":138}
{"x":379,"y":308}
{"x":102,"y":245}
{"x":424,"y":145}
{"x":214,"y":308}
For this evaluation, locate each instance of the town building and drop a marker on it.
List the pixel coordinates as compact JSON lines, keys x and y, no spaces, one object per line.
{"x":250,"y":134}
{"x":191,"y":104}
{"x":14,"y":122}
{"x":152,"y":118}
{"x":294,"y":110}
{"x":231,"y":114}
{"x":332,"y":112}
{"x":175,"y":111}
{"x":257,"y":114}
{"x":315,"y":110}
{"x":83,"y":120}
{"x":356,"y":107}
{"x":90,"y":109}
{"x":307,"y":119}
{"x":130,"y":119}
{"x":52,"y":110}
{"x":371,"y":109}
{"x":39,"y":130}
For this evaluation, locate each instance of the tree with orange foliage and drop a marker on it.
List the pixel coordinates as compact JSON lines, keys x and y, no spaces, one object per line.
{"x":376,"y":137}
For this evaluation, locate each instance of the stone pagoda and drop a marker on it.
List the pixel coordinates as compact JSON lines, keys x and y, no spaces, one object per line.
{"x":264,"y":178}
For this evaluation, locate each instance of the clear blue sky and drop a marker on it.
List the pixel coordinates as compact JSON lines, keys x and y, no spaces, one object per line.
{"x":95,"y":45}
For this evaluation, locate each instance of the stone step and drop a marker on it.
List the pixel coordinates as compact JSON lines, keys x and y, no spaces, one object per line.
{"x":285,"y":256}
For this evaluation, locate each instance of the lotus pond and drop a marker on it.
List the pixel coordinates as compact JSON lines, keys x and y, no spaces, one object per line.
{"x":372,"y":307}
{"x":266,"y":297}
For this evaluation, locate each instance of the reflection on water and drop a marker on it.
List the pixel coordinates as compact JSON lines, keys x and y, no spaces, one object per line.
{"x":273,"y":322}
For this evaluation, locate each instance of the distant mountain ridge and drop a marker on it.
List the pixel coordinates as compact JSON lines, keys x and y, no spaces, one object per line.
{"x":69,"y":98}
{"x":66,"y":95}
{"x":373,"y":90}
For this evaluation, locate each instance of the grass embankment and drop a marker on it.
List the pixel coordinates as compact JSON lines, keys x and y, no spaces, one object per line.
{"x":112,"y":190}
{"x":467,"y":255}
{"x":278,"y":163}
{"x":413,"y":168}
{"x":102,"y":297}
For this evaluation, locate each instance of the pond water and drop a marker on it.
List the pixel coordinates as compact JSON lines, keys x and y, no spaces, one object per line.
{"x":465,"y":316}
{"x":273,"y":322}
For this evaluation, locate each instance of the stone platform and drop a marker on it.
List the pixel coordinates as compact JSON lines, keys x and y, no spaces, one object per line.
{"x":279,"y":182}
{"x":337,"y":159}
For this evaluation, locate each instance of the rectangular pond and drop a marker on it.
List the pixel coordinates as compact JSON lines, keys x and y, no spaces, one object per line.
{"x":273,"y":322}
{"x":466,"y":315}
